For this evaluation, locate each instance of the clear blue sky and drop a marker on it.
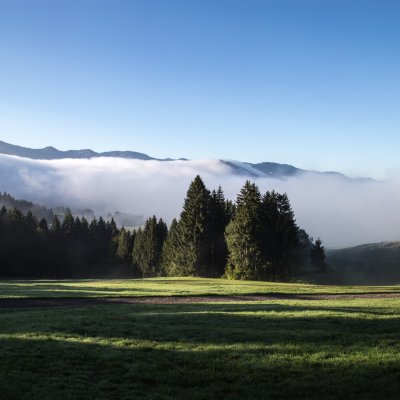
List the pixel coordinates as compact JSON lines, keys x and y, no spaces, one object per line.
{"x":311,"y":83}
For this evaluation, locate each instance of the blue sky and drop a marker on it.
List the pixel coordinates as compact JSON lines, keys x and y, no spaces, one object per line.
{"x":311,"y":83}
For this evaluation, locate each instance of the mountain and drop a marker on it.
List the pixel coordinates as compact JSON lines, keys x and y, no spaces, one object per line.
{"x":374,"y":263}
{"x":265,"y":169}
{"x":51,"y":153}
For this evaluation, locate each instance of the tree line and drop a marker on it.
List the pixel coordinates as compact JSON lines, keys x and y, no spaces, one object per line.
{"x":254,"y":238}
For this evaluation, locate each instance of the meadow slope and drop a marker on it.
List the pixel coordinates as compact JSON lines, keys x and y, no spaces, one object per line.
{"x":341,"y":348}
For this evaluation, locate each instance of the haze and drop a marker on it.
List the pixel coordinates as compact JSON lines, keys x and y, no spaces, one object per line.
{"x":341,"y":212}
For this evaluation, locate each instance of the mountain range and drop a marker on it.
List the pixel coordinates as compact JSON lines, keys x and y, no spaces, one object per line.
{"x":264,"y":169}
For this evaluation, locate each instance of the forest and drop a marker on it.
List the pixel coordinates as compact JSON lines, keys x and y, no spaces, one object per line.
{"x":256,"y":237}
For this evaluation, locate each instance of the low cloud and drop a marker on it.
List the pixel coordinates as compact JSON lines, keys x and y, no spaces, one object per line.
{"x":341,"y":212}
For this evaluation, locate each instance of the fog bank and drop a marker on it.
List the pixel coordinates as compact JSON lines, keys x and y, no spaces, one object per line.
{"x":340,"y":211}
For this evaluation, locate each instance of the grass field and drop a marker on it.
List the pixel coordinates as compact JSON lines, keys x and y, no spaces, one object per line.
{"x":169,"y":287}
{"x":276,"y":349}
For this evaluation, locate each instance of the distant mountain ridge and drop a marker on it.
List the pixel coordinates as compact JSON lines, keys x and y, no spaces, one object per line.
{"x":264,"y":169}
{"x":51,"y":153}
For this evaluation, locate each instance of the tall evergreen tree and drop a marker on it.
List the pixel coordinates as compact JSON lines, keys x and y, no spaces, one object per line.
{"x":219,"y":217}
{"x":148,"y":247}
{"x":243,"y":236}
{"x":169,"y":256}
{"x":68,"y":223}
{"x":280,"y":236}
{"x":194,"y":230}
{"x":122,"y":253}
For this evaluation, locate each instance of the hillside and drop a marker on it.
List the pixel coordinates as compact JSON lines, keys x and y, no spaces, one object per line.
{"x":39,"y":211}
{"x":51,"y":153}
{"x":264,"y":169}
{"x":376,"y":263}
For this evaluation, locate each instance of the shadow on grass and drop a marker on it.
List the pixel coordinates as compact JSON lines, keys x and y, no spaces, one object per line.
{"x":200,"y":351}
{"x":54,"y":290}
{"x":62,"y":370}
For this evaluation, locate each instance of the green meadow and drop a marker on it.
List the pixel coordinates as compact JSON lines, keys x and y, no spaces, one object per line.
{"x":169,"y":287}
{"x":275,"y":349}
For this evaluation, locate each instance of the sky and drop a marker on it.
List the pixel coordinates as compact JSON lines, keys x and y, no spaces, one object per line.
{"x":315,"y":84}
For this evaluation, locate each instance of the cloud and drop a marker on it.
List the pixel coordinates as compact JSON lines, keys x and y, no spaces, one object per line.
{"x":341,"y":212}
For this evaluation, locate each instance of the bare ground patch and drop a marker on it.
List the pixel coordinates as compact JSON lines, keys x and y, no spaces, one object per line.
{"x":77,"y":302}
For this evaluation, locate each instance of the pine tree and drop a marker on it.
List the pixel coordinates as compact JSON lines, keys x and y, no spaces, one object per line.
{"x":122,"y":253}
{"x":219,"y":217}
{"x":279,"y":236}
{"x":43,"y":227}
{"x":243,"y":236}
{"x":148,"y":247}
{"x":169,"y":257}
{"x":68,"y":224}
{"x":193,"y":245}
{"x":56,"y":225}
{"x":317,"y":256}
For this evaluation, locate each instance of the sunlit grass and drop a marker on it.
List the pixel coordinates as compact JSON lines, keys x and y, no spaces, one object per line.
{"x":280,"y":349}
{"x":168,"y":287}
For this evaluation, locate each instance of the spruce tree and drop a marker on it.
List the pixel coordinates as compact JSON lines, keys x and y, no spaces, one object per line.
{"x":194,"y":230}
{"x":280,"y":238}
{"x":68,"y":223}
{"x":56,"y":225}
{"x":243,"y":236}
{"x":317,"y":256}
{"x":122,"y":253}
{"x":148,"y":246}
{"x":219,"y":217}
{"x":170,"y":265}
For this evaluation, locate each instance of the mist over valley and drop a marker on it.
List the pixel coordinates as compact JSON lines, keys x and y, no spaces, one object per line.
{"x":342,"y":211}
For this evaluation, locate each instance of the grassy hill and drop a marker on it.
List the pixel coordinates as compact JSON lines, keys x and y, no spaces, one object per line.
{"x":376,"y":263}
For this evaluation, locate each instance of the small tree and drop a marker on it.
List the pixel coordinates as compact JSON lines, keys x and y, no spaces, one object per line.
{"x":122,"y":253}
{"x":317,"y":256}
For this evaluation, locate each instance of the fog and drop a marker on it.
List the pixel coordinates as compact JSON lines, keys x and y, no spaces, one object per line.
{"x":340,"y":211}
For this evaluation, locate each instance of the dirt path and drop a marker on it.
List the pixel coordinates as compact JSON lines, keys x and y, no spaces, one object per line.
{"x":78,"y":302}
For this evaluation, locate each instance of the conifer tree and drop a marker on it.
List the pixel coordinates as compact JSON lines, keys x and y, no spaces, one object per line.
{"x":56,"y":225}
{"x":279,"y":237}
{"x":122,"y":253}
{"x":317,"y":256}
{"x":219,"y":217}
{"x":68,"y":224}
{"x":169,"y":257}
{"x":194,"y":231}
{"x":148,"y":247}
{"x":243,"y":236}
{"x":43,"y":227}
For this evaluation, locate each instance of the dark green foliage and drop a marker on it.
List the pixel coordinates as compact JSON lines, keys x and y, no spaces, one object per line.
{"x":194,"y":230}
{"x":7,"y":201}
{"x":148,"y":247}
{"x":256,"y":238}
{"x":28,"y":248}
{"x":263,"y":238}
{"x":317,"y":256}
{"x":280,"y":237}
{"x":219,"y":217}
{"x":243,"y":236}
{"x":169,"y":256}
{"x":122,"y":251}
{"x":196,"y":245}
